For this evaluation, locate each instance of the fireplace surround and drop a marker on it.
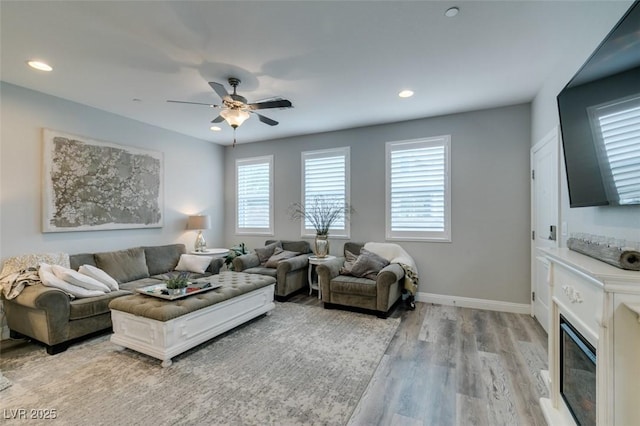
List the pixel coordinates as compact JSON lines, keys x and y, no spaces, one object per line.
{"x":597,"y":305}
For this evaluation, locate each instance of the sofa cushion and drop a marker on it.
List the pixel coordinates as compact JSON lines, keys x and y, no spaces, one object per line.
{"x":353,"y":285}
{"x":193,"y":263}
{"x":86,"y":308}
{"x":368,"y":264}
{"x":264,"y":253}
{"x":100,"y":275}
{"x":123,"y":265}
{"x":76,"y":278}
{"x":77,"y":260}
{"x":161,"y":259}
{"x":279,"y":255}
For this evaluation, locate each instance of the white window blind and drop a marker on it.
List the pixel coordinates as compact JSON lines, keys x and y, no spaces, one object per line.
{"x":254,"y":192}
{"x":618,"y":133}
{"x":418,"y":192}
{"x":326,"y":180}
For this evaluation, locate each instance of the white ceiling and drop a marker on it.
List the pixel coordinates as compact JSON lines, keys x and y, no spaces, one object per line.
{"x":341,"y":63}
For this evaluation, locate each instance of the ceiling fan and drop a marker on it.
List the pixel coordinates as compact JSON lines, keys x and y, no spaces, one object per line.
{"x":234,"y":108}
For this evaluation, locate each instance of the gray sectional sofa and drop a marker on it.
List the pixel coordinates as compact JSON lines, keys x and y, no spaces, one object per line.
{"x":50,"y":316}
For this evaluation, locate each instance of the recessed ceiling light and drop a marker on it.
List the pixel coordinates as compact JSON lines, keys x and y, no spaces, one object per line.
{"x":215,"y":128}
{"x":406,"y":94}
{"x":39,"y":65}
{"x":451,"y":12}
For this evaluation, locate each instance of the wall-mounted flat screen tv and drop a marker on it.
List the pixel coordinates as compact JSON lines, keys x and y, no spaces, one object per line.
{"x":600,"y":120}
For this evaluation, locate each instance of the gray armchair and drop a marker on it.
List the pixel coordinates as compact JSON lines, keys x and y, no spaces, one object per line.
{"x":290,"y":274}
{"x":377,"y":295}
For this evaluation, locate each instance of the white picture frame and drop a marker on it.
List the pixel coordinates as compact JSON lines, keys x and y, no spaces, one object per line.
{"x":91,"y":185}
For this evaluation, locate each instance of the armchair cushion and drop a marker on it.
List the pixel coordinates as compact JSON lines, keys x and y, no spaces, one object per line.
{"x":279,"y":255}
{"x":368,"y":264}
{"x":264,"y":253}
{"x":353,"y":285}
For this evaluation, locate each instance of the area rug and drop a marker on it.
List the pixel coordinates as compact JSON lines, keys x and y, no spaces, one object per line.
{"x":4,"y":382}
{"x":300,"y":365}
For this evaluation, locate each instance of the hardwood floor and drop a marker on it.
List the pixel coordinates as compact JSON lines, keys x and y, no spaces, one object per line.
{"x":456,"y":366}
{"x":448,"y":366}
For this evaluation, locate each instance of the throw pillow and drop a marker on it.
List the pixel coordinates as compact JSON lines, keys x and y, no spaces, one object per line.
{"x":124,"y":265}
{"x":278,"y":256}
{"x":193,"y":263}
{"x":78,"y":279}
{"x":264,"y":253}
{"x":100,"y":275}
{"x":49,"y":279}
{"x":162,"y":259}
{"x":368,"y":265}
{"x":350,"y":259}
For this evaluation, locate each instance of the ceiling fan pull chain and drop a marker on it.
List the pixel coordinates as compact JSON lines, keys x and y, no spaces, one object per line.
{"x":234,"y":137}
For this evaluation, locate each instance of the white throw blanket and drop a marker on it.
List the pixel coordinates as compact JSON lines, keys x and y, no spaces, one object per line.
{"x":396,"y":254}
{"x":13,"y":283}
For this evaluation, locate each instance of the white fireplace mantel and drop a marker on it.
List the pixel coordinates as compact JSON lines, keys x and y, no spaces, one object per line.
{"x":603,"y":303}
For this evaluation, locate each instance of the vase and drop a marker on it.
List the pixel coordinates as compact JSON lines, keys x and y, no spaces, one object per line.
{"x":322,"y":246}
{"x":177,"y":291}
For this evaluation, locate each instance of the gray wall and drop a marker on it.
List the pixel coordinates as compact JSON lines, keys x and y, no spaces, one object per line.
{"x":618,"y":222}
{"x":488,"y":257}
{"x":193,"y":172}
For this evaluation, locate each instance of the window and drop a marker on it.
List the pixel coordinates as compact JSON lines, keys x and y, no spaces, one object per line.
{"x":254,"y":192}
{"x":326,"y":177}
{"x":418,"y":191}
{"x":617,"y":131}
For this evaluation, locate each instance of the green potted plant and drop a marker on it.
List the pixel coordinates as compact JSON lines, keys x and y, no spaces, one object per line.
{"x":321,"y":212}
{"x":234,"y":252}
{"x":178,"y":284}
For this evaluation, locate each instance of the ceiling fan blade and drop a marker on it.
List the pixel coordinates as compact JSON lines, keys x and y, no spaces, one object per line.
{"x":219,"y":89}
{"x":193,"y":103}
{"x":218,"y":119}
{"x":281,"y":103}
{"x":266,"y":120}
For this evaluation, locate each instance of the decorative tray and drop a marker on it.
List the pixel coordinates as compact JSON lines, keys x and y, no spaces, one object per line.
{"x":160,"y":290}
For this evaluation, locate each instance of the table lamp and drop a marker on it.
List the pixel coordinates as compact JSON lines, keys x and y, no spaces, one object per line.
{"x":199,"y":222}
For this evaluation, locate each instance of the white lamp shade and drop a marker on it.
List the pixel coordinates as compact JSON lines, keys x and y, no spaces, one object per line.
{"x":199,"y":222}
{"x":235,"y":117}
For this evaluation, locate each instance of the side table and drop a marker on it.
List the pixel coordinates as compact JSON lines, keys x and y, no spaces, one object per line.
{"x":315,"y":261}
{"x":216,"y":252}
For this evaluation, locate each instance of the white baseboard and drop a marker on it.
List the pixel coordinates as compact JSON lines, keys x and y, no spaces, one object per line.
{"x":468,"y":302}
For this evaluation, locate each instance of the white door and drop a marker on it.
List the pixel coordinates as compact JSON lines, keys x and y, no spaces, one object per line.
{"x":544,"y":220}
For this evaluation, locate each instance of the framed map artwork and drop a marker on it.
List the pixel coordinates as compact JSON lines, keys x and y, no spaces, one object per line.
{"x":91,"y":185}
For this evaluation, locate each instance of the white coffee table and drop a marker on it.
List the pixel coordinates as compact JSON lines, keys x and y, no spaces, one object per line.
{"x":315,"y":261}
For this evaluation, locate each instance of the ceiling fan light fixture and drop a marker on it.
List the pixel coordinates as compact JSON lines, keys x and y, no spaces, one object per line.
{"x":234,"y":117}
